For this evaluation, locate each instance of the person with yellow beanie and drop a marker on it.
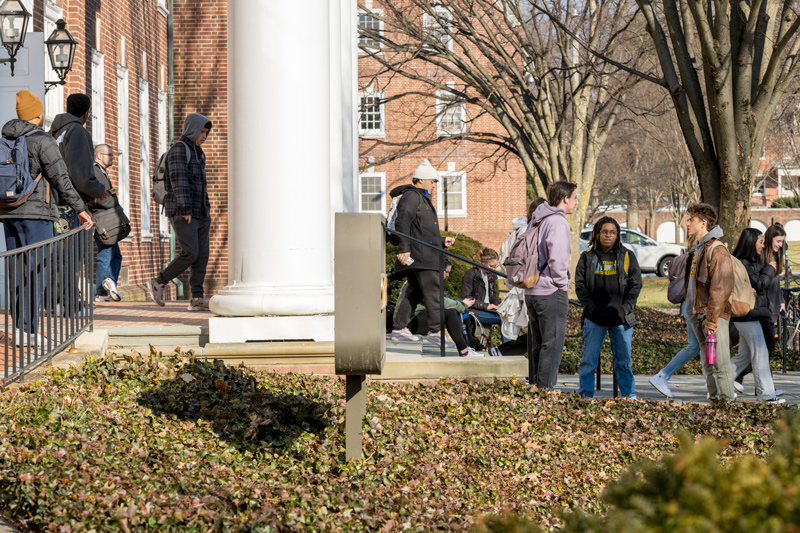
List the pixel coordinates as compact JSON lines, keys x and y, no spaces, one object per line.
{"x":32,"y":221}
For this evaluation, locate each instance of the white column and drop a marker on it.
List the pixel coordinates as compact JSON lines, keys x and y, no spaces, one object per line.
{"x":279,"y":174}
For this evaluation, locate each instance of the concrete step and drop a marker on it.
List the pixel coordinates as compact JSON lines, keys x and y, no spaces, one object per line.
{"x":162,"y":336}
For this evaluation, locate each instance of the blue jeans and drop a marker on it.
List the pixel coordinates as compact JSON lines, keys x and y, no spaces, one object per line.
{"x":19,"y":233}
{"x":109,"y":263}
{"x":690,"y":351}
{"x":593,"y":337}
{"x":490,"y":318}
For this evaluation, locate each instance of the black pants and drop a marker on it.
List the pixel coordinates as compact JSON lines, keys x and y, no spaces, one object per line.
{"x":193,"y":238}
{"x":769,"y":337}
{"x":547,"y":327}
{"x":452,"y":321}
{"x":423,"y":287}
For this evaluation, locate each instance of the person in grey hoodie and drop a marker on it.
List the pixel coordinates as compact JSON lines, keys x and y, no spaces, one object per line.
{"x":76,"y":146}
{"x":189,"y":212}
{"x":547,"y":302}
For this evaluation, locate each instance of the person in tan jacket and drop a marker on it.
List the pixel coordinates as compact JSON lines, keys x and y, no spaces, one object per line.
{"x":708,"y":288}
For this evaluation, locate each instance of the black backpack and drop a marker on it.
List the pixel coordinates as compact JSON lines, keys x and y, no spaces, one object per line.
{"x":160,"y":182}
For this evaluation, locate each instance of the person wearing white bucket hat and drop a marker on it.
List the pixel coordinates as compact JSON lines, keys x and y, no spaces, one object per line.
{"x":417,"y":218}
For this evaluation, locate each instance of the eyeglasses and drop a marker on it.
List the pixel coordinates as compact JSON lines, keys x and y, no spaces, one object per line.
{"x":610,"y":233}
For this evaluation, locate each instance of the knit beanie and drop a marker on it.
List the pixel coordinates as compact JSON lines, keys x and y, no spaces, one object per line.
{"x":426,"y":172}
{"x":28,"y":105}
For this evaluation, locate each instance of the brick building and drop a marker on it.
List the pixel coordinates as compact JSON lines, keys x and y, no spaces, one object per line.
{"x":122,"y":62}
{"x":486,"y":190}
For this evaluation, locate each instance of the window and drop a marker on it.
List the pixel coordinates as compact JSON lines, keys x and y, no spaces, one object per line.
{"x":451,"y":115}
{"x":437,"y":26}
{"x":628,"y":237}
{"x":144,"y":155}
{"x":372,"y":189}
{"x":163,"y":221}
{"x":54,"y":98}
{"x":369,"y":21}
{"x":456,"y":185}
{"x":98,"y":98}
{"x":371,"y":114}
{"x":123,"y":140}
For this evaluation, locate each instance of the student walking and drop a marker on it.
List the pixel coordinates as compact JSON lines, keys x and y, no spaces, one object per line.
{"x":417,"y":218}
{"x":708,"y":288}
{"x":189,"y":212}
{"x":547,"y":302}
{"x":608,"y":282}
{"x":109,"y":256}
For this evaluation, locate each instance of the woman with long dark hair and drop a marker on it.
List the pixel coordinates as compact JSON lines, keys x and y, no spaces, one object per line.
{"x":752,"y":345}
{"x":774,"y":239}
{"x":608,"y":281}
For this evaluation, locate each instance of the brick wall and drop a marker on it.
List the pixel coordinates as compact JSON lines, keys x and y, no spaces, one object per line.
{"x":201,"y":86}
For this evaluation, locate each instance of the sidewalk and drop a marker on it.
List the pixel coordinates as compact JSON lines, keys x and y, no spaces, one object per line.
{"x":122,"y":314}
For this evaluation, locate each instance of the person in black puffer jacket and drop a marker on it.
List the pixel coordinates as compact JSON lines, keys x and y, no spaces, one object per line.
{"x":477,"y":286}
{"x":417,"y":218}
{"x":32,"y":221}
{"x":752,"y":345}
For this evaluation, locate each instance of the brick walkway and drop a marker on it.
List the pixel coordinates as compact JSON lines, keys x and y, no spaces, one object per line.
{"x":174,"y":313}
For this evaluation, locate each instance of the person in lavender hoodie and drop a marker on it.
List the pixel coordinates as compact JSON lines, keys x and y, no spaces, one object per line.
{"x":547,"y":302}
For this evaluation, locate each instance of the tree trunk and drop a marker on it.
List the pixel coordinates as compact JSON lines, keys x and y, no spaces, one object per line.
{"x":633,"y":208}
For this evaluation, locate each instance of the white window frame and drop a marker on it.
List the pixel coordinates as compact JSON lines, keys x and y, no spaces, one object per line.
{"x":54,"y":98}
{"x":451,"y":211}
{"x":381,"y":131}
{"x":444,"y":103}
{"x":144,"y":156}
{"x":370,"y":13}
{"x":162,"y":8}
{"x":123,"y":140}
{"x":382,"y":176}
{"x":430,"y":24}
{"x":98,"y":98}
{"x":163,"y":220}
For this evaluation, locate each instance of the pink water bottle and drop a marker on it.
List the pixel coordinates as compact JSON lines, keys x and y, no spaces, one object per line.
{"x":711,"y":349}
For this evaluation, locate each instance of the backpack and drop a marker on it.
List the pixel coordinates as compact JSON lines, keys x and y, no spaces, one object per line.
{"x":16,"y":183}
{"x":676,"y":273}
{"x":160,"y":184}
{"x":391,"y":220}
{"x":522,"y":263}
{"x":743,"y":295}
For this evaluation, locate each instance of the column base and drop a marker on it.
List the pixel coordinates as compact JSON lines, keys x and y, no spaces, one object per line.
{"x":256,"y":299}
{"x":318,"y":328}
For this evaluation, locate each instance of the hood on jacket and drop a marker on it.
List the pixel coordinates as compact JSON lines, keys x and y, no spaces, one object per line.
{"x":15,"y":128}
{"x":400,"y":189}
{"x":545,"y":210}
{"x":519,"y":222}
{"x":63,"y":120}
{"x":193,"y":125}
{"x":714,"y":233}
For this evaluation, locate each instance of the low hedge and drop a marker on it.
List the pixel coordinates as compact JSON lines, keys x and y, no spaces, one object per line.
{"x":172,"y":443}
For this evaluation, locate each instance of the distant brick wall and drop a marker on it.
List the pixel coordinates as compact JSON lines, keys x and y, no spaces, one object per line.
{"x":201,"y":86}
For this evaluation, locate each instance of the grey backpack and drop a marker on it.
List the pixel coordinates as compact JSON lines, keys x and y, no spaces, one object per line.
{"x":160,"y":182}
{"x":522,"y":263}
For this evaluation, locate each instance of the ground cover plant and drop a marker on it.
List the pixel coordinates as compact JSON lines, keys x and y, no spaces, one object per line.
{"x":152,"y":443}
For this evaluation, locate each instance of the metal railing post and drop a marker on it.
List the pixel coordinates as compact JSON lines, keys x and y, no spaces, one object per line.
{"x":442,"y":329}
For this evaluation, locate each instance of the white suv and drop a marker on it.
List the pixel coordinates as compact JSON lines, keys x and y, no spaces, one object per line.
{"x":653,"y":256}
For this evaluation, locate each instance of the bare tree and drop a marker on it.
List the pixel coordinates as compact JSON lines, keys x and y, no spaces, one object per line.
{"x":726,"y":66}
{"x":528,"y":90}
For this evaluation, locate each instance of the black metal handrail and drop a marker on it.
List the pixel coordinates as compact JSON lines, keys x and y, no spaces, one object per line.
{"x":47,"y":299}
{"x":442,"y":252}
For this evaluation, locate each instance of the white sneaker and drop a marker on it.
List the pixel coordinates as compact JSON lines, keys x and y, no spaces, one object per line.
{"x":403,"y":335}
{"x":776,"y":401}
{"x":156,"y":290}
{"x":471,"y":353}
{"x":100,"y":298}
{"x":198,"y":304}
{"x":738,"y":386}
{"x":111,"y":289}
{"x":494,"y":351}
{"x":435,"y":338}
{"x":660,"y":383}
